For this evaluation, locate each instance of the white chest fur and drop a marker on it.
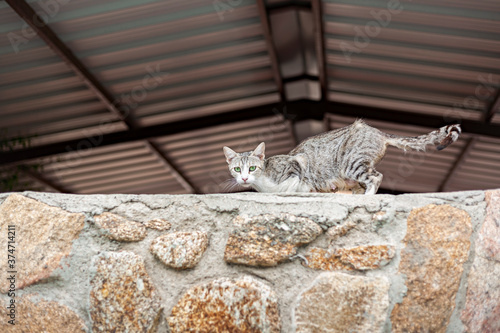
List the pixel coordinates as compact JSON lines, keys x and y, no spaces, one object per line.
{"x":292,"y":184}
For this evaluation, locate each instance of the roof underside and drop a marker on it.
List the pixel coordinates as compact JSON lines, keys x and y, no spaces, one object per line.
{"x":128,"y":96}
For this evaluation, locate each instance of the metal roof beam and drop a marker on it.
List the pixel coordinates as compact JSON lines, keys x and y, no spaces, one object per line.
{"x":494,"y":108}
{"x":176,"y":173}
{"x":289,"y":4}
{"x":271,"y":49}
{"x":27,"y":13}
{"x":319,"y":39}
{"x":298,"y":110}
{"x":44,"y":181}
{"x":469,"y":146}
{"x":488,"y":116}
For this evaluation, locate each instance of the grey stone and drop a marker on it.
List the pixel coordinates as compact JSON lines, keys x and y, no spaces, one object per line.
{"x":338,"y":302}
{"x":488,"y":242}
{"x":482,"y":307}
{"x":180,"y":250}
{"x":267,"y":240}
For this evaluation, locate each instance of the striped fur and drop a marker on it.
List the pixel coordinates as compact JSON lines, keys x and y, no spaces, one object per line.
{"x":337,"y":160}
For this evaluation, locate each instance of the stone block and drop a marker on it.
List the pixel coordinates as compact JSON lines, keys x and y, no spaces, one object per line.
{"x":482,"y":306}
{"x":241,"y":305}
{"x":488,"y":241}
{"x":360,"y":258}
{"x":119,"y":228}
{"x":339,"y":302}
{"x":158,"y":224}
{"x":43,"y":316}
{"x":180,"y":250}
{"x":122,"y":296}
{"x":43,"y":236}
{"x":267,"y":240}
{"x":436,"y":247}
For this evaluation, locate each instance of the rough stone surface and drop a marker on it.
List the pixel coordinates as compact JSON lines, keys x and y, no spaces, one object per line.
{"x":267,"y":240}
{"x":339,"y":302}
{"x":180,"y":250}
{"x":361,"y":257}
{"x":158,"y":224}
{"x":341,"y":230}
{"x":42,"y":316}
{"x":122,"y":297}
{"x":482,"y":308}
{"x":120,"y":229}
{"x":488,"y":242}
{"x":226,"y":305}
{"x":70,"y":284}
{"x":43,"y":236}
{"x":436,"y":247}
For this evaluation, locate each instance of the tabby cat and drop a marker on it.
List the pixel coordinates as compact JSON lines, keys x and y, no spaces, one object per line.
{"x":337,"y":160}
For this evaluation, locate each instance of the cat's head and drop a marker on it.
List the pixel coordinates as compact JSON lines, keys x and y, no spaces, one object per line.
{"x":246,"y":167}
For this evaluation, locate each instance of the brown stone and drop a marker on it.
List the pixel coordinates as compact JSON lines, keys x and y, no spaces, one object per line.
{"x":119,"y":228}
{"x":488,"y":241}
{"x":43,"y":236}
{"x":180,"y":250}
{"x":158,"y":224}
{"x":482,"y":306}
{"x":42,"y":316}
{"x":436,"y":247}
{"x":122,"y":296}
{"x":267,"y":240}
{"x":339,"y":302}
{"x":360,"y":258}
{"x":341,"y":230}
{"x":226,"y":305}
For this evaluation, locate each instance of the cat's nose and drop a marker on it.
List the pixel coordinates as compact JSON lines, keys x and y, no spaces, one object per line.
{"x":244,"y":179}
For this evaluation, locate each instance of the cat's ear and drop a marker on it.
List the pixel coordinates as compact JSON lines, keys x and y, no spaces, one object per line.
{"x":230,"y":154}
{"x":259,"y":151}
{"x":302,"y":160}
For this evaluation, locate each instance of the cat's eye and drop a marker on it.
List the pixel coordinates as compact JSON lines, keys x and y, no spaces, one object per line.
{"x":252,"y":168}
{"x":237,"y":169}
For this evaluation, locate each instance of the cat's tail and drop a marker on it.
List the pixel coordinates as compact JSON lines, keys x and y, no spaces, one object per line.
{"x":441,"y":138}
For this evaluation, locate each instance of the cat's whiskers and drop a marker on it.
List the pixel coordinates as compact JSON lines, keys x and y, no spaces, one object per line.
{"x":229,"y":185}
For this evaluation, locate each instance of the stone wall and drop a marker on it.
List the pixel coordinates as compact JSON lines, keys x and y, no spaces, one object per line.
{"x":250,"y":262}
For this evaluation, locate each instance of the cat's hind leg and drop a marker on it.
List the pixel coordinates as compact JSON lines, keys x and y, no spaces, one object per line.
{"x":367,"y":177}
{"x":358,"y":189}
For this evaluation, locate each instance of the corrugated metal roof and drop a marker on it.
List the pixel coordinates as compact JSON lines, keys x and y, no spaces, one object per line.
{"x":165,"y":62}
